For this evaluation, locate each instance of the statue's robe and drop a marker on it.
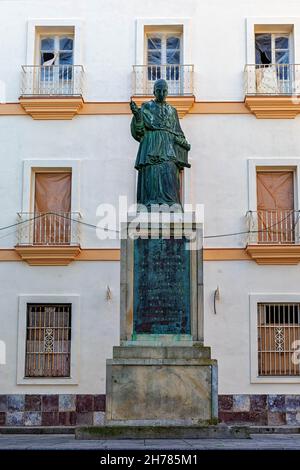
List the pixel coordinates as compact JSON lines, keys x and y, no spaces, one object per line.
{"x":160,"y":158}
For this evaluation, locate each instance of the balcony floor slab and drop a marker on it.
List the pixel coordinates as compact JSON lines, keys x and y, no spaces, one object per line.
{"x":48,"y":255}
{"x":52,"y":107}
{"x":274,"y":254}
{"x":273,"y":107}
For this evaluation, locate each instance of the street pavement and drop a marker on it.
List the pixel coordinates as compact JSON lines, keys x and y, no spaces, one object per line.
{"x":68,"y":442}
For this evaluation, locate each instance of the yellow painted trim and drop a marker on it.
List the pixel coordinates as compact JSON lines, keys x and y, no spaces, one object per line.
{"x":122,"y":108}
{"x":262,"y":254}
{"x":99,"y":254}
{"x":183,"y":104}
{"x":273,"y":107}
{"x":225,"y":254}
{"x":113,"y":254}
{"x":101,"y":108}
{"x":9,"y":255}
{"x":11,"y":109}
{"x":274,"y":254}
{"x":219,"y":107}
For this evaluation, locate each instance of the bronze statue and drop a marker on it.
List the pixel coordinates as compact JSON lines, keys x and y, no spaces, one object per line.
{"x":163,"y":150}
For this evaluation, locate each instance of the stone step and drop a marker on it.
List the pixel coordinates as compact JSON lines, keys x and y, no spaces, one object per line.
{"x":162,"y":432}
{"x":161,"y":352}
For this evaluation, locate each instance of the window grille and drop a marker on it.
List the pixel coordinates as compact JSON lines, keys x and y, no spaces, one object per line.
{"x":278,"y":339}
{"x":48,"y":340}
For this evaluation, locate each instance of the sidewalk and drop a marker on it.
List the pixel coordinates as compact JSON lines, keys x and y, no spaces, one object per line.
{"x":68,"y":442}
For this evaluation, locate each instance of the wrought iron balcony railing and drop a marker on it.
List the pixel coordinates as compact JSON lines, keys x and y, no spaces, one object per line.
{"x":52,"y":80}
{"x":179,"y":78}
{"x":273,"y":227}
{"x":272,"y":79}
{"x":49,"y":229}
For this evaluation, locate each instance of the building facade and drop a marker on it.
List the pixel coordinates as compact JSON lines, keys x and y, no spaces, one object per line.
{"x":67,"y":75}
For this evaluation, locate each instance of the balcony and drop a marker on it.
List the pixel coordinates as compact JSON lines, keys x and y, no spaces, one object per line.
{"x":272,"y":91}
{"x":47,"y":239}
{"x":52,"y":91}
{"x":274,"y":236}
{"x":180,"y":83}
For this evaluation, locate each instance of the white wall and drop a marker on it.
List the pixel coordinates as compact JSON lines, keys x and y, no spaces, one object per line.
{"x":103,"y":144}
{"x":218,"y":32}
{"x":228,"y":332}
{"x":218,"y":178}
{"x":221,"y":147}
{"x":99,"y":318}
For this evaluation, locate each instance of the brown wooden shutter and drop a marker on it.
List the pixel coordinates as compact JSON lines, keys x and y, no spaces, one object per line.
{"x":53,"y":205}
{"x":275,"y":205}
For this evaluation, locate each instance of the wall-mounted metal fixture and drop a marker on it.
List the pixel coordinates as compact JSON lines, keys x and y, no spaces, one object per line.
{"x":108,"y":294}
{"x":216,"y":297}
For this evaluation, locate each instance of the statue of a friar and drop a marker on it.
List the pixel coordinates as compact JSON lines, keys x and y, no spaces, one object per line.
{"x":163,"y":150}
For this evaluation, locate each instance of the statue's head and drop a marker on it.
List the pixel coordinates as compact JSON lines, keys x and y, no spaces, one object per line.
{"x":161,"y":90}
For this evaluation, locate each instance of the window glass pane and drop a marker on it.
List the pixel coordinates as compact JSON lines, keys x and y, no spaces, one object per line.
{"x":282,"y":57}
{"x":47,"y":44}
{"x":66,"y":44}
{"x":282,"y":42}
{"x":66,"y":58}
{"x":173,"y":43}
{"x":154,"y":58}
{"x":263,"y":48}
{"x":47,"y":58}
{"x":173,"y":57}
{"x":154,"y":43}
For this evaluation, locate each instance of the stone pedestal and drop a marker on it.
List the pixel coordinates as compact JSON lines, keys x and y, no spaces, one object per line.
{"x":161,"y":373}
{"x":162,"y":385}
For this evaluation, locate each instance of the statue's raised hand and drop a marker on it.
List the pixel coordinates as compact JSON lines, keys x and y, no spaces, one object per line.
{"x":135,"y":110}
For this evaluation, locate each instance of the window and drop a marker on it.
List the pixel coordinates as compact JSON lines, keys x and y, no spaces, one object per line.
{"x":271,"y":48}
{"x":48,"y":340}
{"x":56,"y":50}
{"x":52,"y":208}
{"x":164,"y":58}
{"x":274,"y":73}
{"x":56,"y":60}
{"x":278,"y":338}
{"x":276,"y":218}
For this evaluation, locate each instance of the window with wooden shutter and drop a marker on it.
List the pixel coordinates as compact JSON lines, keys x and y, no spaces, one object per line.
{"x":52,"y":208}
{"x":275,"y":207}
{"x":48,"y":340}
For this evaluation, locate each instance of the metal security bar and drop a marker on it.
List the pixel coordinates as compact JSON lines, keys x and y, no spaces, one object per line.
{"x":276,"y":226}
{"x":52,"y":80}
{"x":48,"y":340}
{"x":179,"y":77}
{"x":51,"y":228}
{"x":272,"y":79}
{"x":278,"y":339}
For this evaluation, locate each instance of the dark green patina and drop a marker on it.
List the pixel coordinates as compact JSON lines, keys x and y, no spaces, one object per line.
{"x":161,"y":286}
{"x":161,"y":266}
{"x":163,"y":150}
